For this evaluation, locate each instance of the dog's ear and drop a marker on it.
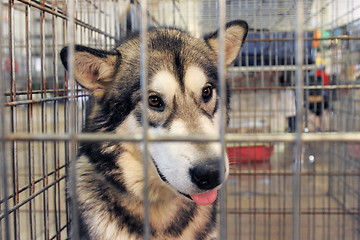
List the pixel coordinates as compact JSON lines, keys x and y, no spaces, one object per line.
{"x":235,"y":34}
{"x":93,"y":68}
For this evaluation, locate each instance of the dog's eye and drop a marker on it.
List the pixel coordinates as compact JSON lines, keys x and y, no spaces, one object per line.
{"x":207,"y":93}
{"x":155,"y":102}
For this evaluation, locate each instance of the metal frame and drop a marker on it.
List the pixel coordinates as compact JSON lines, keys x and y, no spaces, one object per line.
{"x":50,"y":148}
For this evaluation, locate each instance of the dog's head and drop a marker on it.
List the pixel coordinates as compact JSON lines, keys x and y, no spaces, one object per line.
{"x":183,"y":100}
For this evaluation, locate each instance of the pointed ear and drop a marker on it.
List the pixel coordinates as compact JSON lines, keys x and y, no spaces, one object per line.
{"x":235,"y":34}
{"x":93,"y":68}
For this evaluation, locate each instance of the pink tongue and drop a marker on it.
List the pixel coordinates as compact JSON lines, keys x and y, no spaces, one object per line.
{"x":205,"y":198}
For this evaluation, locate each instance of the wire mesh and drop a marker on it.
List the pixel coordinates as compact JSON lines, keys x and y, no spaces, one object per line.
{"x":38,"y":133}
{"x":37,"y":101}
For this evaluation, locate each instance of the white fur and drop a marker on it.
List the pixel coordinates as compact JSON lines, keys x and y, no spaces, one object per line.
{"x":164,"y":82}
{"x":130,"y":125}
{"x":195,"y":79}
{"x":174,"y":159}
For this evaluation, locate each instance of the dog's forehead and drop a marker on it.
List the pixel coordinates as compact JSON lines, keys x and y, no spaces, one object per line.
{"x":187,"y":59}
{"x":195,"y":78}
{"x":166,"y":82}
{"x":176,"y":60}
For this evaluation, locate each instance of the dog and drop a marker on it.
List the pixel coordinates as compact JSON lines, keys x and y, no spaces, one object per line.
{"x":183,"y":177}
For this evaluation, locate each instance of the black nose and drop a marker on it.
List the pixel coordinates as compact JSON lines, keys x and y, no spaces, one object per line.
{"x":206,"y":176}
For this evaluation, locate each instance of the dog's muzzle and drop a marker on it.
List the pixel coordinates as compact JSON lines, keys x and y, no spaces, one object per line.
{"x":207,"y":176}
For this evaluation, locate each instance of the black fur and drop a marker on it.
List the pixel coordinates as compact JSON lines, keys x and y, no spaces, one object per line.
{"x":181,"y":220}
{"x":169,"y":119}
{"x":83,"y":229}
{"x":133,"y":223}
{"x":105,"y":163}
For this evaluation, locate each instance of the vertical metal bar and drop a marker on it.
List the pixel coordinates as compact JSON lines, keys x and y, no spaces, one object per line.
{"x":13,"y":117}
{"x":102,"y":7}
{"x":281,"y":180}
{"x":174,"y":12}
{"x":72,"y":119}
{"x":57,"y":213}
{"x":97,"y":24}
{"x":98,"y":12}
{"x":237,"y":222}
{"x":269,"y":204}
{"x":82,"y":30}
{"x":66,"y":127}
{"x":68,"y":205}
{"x":44,"y":122}
{"x":254,"y":120}
{"x":222,"y":91}
{"x":32,"y":218}
{"x":334,"y":59}
{"x":247,"y":110}
{"x":144,"y":99}
{"x":2,"y":126}
{"x":117,"y":22}
{"x":310,"y":178}
{"x":314,"y":179}
{"x":88,"y":21}
{"x":5,"y":225}
{"x":298,"y":149}
{"x":357,"y":225}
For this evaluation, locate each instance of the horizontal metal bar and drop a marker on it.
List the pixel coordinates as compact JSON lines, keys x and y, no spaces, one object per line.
{"x":17,"y":206}
{"x":47,"y":91}
{"x":305,"y":39}
{"x":229,"y":138}
{"x":65,"y":91}
{"x":269,"y":68}
{"x":288,"y":173}
{"x":290,"y":137}
{"x":10,"y":104}
{"x":288,"y":212}
{"x":330,"y":87}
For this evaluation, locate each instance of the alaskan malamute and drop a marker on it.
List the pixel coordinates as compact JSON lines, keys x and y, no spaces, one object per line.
{"x":184,"y":177}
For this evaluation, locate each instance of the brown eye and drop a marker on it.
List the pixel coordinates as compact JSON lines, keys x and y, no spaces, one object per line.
{"x":155,"y":102}
{"x":207,"y":93}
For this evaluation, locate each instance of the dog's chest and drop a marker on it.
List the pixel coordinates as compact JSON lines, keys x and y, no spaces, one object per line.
{"x":190,"y":223}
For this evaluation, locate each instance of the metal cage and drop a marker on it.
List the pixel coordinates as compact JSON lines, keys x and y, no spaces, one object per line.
{"x":294,"y":136}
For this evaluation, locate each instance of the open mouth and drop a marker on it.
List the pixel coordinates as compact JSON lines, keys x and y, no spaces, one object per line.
{"x":205,"y":198}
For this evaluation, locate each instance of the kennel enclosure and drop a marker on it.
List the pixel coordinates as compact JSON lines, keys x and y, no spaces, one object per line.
{"x":293,"y":139}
